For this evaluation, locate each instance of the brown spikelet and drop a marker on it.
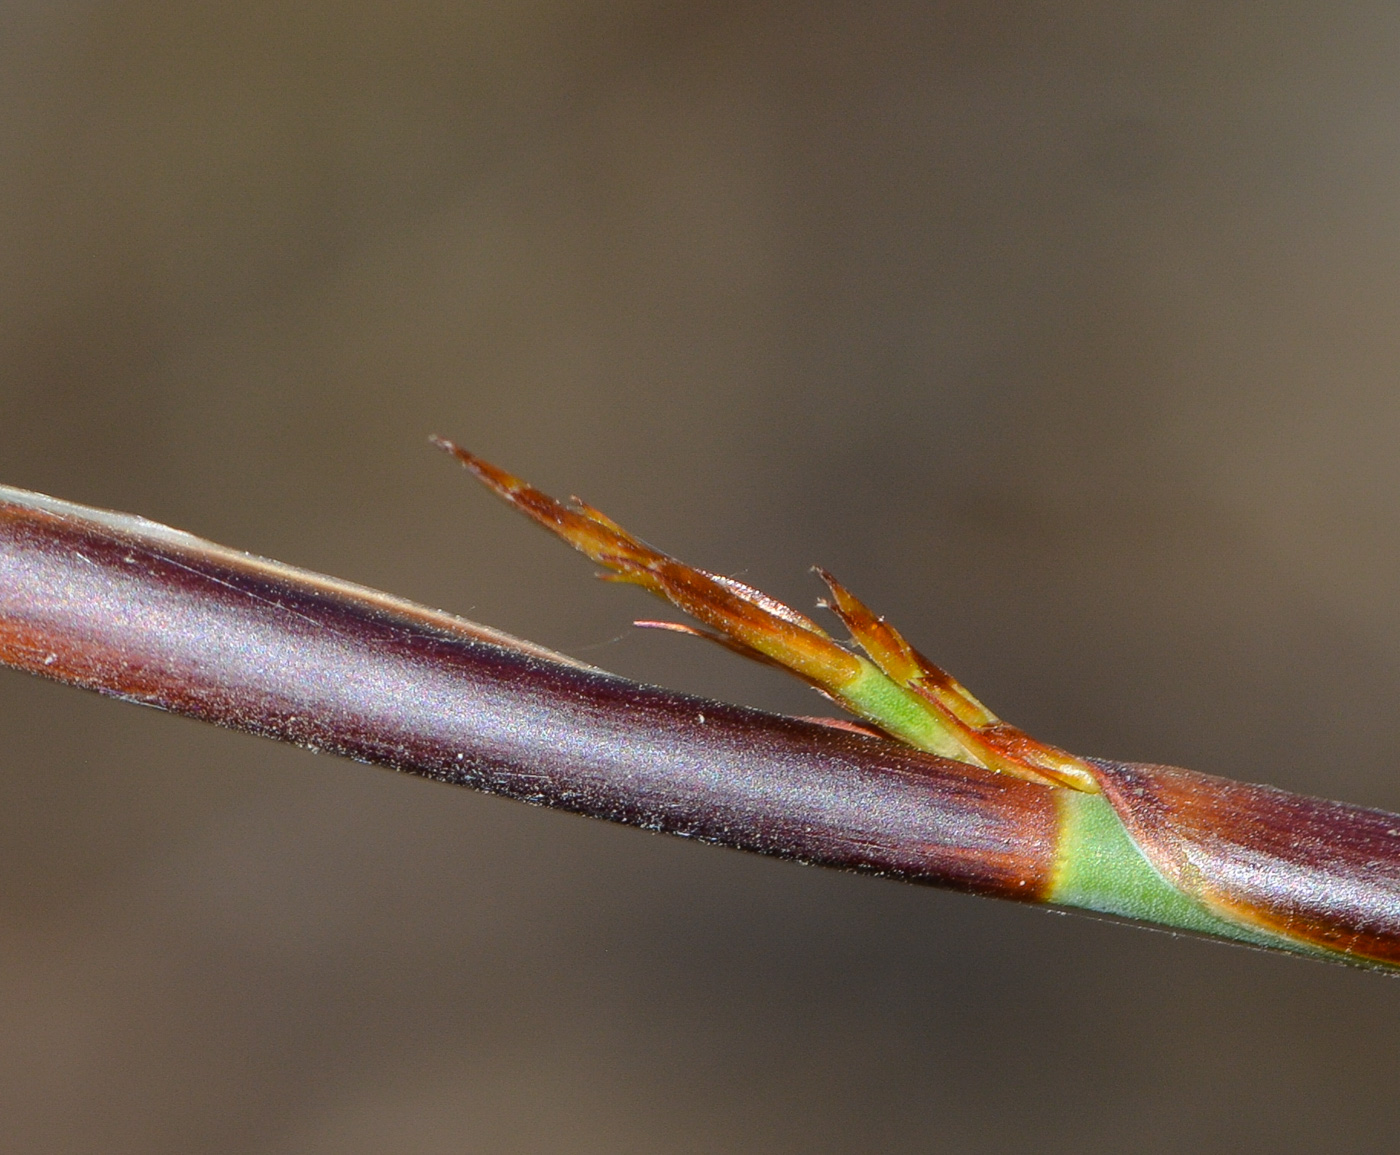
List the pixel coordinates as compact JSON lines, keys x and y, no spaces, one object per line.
{"x":888,"y":650}
{"x":995,"y":743}
{"x":757,"y":626}
{"x":750,"y":617}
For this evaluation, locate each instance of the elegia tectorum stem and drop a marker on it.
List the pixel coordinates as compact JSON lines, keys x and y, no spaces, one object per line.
{"x":145,"y":613}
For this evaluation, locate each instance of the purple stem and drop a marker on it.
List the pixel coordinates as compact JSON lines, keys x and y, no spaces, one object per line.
{"x":144,"y":613}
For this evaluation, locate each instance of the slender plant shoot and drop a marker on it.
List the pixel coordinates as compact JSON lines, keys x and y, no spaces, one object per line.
{"x":1151,"y":843}
{"x":928,"y":786}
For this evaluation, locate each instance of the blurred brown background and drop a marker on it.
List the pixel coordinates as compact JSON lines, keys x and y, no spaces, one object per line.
{"x":1066,"y":334}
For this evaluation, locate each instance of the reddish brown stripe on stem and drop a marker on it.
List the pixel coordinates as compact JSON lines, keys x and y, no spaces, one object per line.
{"x":159,"y":618}
{"x":1317,"y":871}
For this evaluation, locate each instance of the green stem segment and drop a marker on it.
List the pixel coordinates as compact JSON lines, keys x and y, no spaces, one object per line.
{"x":1100,"y":868}
{"x":1098,"y":865}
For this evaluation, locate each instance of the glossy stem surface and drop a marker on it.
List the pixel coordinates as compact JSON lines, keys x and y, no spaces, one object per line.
{"x":151,"y":615}
{"x":136,"y":610}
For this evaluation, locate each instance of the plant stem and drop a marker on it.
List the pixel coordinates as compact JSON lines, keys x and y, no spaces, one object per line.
{"x":132,"y":609}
